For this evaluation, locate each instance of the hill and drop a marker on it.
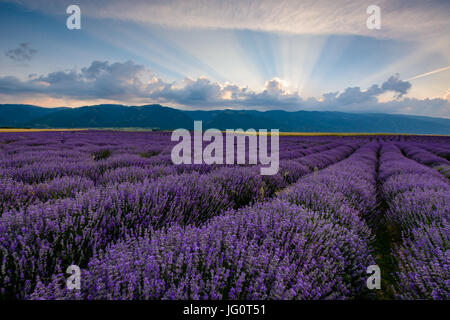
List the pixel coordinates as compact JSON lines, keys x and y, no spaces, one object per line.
{"x":165,"y":118}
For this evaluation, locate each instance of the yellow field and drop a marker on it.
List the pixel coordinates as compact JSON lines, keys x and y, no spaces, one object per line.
{"x":239,"y":132}
{"x":338,"y":134}
{"x":344,"y":134}
{"x":38,"y":130}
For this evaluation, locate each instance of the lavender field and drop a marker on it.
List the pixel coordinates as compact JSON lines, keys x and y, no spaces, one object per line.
{"x":140,"y":227}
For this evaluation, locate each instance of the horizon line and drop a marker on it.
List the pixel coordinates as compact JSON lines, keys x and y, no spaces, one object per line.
{"x":224,"y":109}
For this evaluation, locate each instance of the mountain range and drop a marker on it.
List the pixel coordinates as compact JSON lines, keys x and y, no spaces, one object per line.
{"x":165,"y":118}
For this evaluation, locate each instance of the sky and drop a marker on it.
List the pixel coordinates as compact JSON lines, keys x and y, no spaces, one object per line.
{"x":235,"y":54}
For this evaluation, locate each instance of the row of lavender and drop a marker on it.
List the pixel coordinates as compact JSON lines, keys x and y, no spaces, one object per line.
{"x":434,"y":155}
{"x":418,"y":201}
{"x":44,"y":173}
{"x":304,"y":244}
{"x":40,"y":239}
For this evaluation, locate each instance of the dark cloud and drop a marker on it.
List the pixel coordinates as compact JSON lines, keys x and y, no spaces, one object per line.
{"x":394,"y":84}
{"x":200,"y":92}
{"x":23,"y":53}
{"x":204,"y":93}
{"x":133,"y":83}
{"x":355,"y":95}
{"x":101,"y":80}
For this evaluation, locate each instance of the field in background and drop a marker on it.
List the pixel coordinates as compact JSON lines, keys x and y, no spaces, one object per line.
{"x":37,"y":130}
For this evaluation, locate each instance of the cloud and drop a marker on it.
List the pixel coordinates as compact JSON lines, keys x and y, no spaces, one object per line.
{"x":447,"y":96}
{"x":436,"y":107}
{"x":23,"y":53}
{"x":128,"y":82}
{"x":396,"y":85}
{"x":401,"y":19}
{"x":204,"y":93}
{"x":101,"y":80}
{"x":200,"y":92}
{"x":355,"y":95}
